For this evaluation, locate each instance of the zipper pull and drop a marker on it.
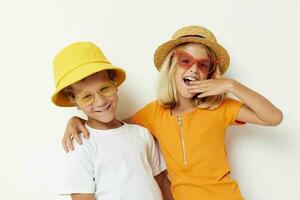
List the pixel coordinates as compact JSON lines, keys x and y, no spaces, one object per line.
{"x":179,"y":118}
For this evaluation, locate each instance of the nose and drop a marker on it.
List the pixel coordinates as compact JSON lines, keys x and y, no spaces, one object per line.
{"x":99,"y":100}
{"x":194,"y":68}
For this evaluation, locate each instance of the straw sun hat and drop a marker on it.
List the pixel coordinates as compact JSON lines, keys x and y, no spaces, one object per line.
{"x":194,"y":34}
{"x":76,"y":62}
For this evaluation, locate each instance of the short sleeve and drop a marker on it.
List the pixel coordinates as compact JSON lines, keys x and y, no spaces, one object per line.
{"x":78,"y":176}
{"x":145,"y":117}
{"x":232,"y":108}
{"x":155,"y":157}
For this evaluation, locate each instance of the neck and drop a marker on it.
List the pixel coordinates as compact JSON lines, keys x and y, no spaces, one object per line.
{"x":183,"y":106}
{"x":104,"y":125}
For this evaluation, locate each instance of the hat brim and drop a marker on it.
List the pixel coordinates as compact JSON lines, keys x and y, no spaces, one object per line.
{"x":221,"y":53}
{"x":59,"y":99}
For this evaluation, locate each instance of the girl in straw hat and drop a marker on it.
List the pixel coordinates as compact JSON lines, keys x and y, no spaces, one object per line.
{"x":191,"y":114}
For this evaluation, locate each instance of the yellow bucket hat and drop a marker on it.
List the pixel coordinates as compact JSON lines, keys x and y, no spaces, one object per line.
{"x":194,"y":34}
{"x":78,"y":61}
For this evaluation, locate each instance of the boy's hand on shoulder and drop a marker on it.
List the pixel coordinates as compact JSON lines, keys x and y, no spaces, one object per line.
{"x":74,"y":127}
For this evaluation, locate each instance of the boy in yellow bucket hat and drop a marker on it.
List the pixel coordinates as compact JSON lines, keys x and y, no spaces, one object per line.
{"x":119,"y":161}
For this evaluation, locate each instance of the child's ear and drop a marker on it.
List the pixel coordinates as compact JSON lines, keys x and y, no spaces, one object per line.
{"x":74,"y":103}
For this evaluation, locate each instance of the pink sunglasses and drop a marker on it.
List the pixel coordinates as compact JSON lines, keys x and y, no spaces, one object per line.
{"x":186,"y":60}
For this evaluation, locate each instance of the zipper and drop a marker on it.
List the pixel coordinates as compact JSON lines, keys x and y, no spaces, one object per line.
{"x":179,"y":119}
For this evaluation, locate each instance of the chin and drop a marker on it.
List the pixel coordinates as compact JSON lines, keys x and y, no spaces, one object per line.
{"x":105,"y":119}
{"x":186,"y":95}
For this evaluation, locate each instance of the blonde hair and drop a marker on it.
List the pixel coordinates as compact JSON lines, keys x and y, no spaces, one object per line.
{"x":167,"y":92}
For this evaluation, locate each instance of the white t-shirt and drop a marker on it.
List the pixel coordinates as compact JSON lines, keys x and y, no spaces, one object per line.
{"x":115,"y":164}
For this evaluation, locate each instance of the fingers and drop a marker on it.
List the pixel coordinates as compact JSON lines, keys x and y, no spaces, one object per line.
{"x":67,"y":144}
{"x":203,"y":90}
{"x":201,"y":93}
{"x":74,"y":127}
{"x":67,"y":141}
{"x":205,"y":94}
{"x":198,"y":88}
{"x":76,"y":134}
{"x":209,"y":87}
{"x":82,"y":129}
{"x":204,"y":85}
{"x":199,"y":82}
{"x":77,"y":138}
